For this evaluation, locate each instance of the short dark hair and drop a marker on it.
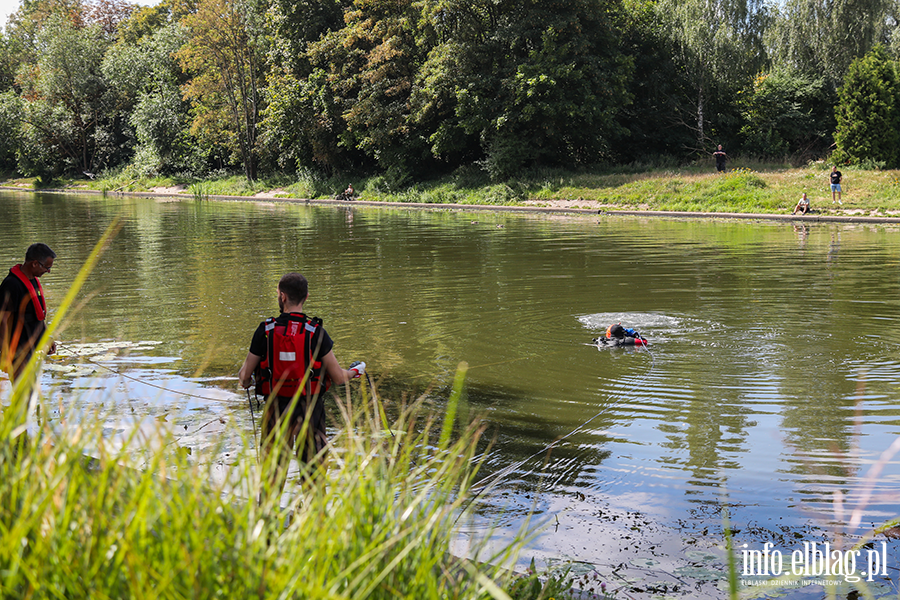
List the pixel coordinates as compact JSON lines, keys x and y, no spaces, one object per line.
{"x":39,"y":251}
{"x":295,"y":287}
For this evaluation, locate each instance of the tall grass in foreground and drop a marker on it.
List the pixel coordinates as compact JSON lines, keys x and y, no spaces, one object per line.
{"x":83,"y":516}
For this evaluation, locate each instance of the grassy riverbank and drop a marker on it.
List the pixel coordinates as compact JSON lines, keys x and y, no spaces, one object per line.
{"x":748,"y":187}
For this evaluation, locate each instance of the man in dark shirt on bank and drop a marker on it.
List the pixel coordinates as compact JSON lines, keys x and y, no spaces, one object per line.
{"x":23,"y":309}
{"x":836,"y":185}
{"x":721,"y":157}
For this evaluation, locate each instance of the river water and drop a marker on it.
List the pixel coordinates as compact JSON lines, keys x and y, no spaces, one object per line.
{"x":770,"y":383}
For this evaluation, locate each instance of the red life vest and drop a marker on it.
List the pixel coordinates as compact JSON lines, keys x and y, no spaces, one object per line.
{"x":37,"y":295}
{"x":292,"y":360}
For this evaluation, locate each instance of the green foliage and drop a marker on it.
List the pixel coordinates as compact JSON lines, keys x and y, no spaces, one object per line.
{"x":146,"y":80}
{"x":719,"y":46}
{"x":556,"y":83}
{"x":786,"y":114}
{"x":10,"y":129}
{"x":868,"y":111}
{"x":224,"y":55}
{"x":143,"y":22}
{"x":298,"y":23}
{"x":659,"y":89}
{"x":69,"y":119}
{"x":411,"y":89}
{"x":820,"y":39}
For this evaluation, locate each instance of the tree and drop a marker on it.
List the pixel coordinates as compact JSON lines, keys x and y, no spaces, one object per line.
{"x":378,"y":71}
{"x":868,"y":111}
{"x":10,"y":129}
{"x":225,"y":58}
{"x":68,"y":108}
{"x":822,"y":37}
{"x":787,"y":114}
{"x":146,"y":79}
{"x":719,"y":46}
{"x":297,"y":123}
{"x":652,"y":124}
{"x":26,"y":24}
{"x":108,"y":14}
{"x":534,"y":82}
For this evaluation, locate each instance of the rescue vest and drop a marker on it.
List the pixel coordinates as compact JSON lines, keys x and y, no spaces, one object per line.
{"x":37,"y":294}
{"x":292,"y":362}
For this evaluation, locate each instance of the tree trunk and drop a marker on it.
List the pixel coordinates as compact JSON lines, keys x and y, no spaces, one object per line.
{"x":700,"y":136}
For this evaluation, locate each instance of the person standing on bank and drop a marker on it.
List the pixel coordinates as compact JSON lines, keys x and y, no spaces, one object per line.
{"x":293,"y":359}
{"x":23,"y":309}
{"x":835,"y":185}
{"x":721,"y":158}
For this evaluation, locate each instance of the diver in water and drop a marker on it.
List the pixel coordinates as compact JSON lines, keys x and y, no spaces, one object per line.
{"x":616,"y":335}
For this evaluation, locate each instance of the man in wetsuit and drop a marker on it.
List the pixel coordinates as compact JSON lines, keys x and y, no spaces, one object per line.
{"x":293,"y":357}
{"x":23,"y":309}
{"x":616,"y":335}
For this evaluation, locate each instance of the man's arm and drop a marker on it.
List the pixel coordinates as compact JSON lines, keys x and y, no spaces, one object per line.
{"x":5,"y":318}
{"x":245,"y":374}
{"x":337,"y":373}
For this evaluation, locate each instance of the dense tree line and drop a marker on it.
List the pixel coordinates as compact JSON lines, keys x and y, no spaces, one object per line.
{"x":410,"y":89}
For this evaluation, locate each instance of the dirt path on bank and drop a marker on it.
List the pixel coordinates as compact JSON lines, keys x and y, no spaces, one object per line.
{"x":560,"y":207}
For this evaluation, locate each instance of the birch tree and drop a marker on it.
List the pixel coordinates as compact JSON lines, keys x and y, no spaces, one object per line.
{"x":822,"y":37}
{"x":719,"y":45}
{"x":225,"y":57}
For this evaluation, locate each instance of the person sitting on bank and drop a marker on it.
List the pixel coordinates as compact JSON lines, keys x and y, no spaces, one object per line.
{"x":349,"y":192}
{"x":23,"y":309}
{"x":287,"y":352}
{"x":802,"y":206}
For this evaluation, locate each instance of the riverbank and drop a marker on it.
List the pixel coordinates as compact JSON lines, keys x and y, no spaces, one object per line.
{"x":553,"y":207}
{"x":755,"y":191}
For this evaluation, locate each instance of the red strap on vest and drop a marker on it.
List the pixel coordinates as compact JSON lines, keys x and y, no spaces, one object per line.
{"x":37,"y":295}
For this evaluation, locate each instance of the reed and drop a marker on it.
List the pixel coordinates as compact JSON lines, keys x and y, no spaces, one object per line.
{"x":86,"y":515}
{"x":199,"y":191}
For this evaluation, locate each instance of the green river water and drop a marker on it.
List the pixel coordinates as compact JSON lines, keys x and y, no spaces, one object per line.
{"x":770,"y":383}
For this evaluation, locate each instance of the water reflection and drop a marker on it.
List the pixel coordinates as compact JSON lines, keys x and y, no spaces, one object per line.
{"x":770,"y":379}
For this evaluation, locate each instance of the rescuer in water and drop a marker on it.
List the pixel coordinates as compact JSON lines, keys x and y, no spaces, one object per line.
{"x":616,"y":335}
{"x":293,"y":359}
{"x":23,"y":309}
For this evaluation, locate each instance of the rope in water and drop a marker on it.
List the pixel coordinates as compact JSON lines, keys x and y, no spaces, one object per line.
{"x":482,"y":486}
{"x":135,"y":379}
{"x":485,"y":484}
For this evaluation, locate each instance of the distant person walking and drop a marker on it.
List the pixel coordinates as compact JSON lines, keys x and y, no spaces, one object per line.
{"x":23,"y":309}
{"x":721,"y":159}
{"x":836,"y":185}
